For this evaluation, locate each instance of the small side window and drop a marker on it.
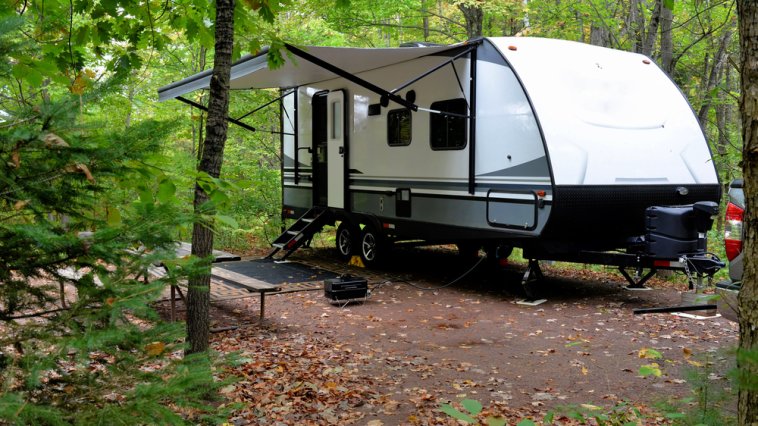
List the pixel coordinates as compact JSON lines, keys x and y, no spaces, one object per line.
{"x":336,"y":120}
{"x":399,"y":127}
{"x":448,"y":131}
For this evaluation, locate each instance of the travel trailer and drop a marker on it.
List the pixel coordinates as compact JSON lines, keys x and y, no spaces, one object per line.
{"x":570,"y":151}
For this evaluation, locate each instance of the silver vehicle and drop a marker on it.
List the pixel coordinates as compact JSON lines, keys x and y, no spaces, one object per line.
{"x":733,"y":234}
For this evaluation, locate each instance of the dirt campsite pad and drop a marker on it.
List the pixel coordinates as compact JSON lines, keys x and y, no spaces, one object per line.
{"x":412,"y":346}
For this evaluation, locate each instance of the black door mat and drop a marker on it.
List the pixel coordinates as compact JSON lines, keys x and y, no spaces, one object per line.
{"x":288,"y":275}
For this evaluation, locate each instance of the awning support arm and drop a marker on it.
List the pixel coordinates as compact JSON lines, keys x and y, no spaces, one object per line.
{"x":449,"y":114}
{"x":202,"y":107}
{"x":265,"y":105}
{"x":442,"y":65}
{"x":351,"y":77}
{"x":460,"y":86}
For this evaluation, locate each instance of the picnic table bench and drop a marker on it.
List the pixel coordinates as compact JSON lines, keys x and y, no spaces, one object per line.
{"x":233,"y":278}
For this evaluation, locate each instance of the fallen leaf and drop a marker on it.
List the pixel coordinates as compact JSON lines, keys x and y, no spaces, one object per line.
{"x":84,"y":169}
{"x":16,"y":159}
{"x":648,"y":353}
{"x":155,"y":348}
{"x":54,"y":141}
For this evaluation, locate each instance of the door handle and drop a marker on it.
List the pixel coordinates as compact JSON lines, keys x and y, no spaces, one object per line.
{"x":342,"y":150}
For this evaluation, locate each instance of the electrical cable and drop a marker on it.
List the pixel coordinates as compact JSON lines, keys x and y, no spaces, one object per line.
{"x":403,"y":281}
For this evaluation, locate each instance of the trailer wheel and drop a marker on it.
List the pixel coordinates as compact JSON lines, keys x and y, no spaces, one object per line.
{"x":497,"y":254}
{"x":372,"y":246}
{"x":468,"y":250}
{"x":346,"y":239}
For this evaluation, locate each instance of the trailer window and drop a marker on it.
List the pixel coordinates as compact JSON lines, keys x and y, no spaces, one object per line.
{"x":399,"y":127}
{"x":448,"y":131}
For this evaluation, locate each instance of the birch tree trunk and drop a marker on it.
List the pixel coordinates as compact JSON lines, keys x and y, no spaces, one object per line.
{"x":211,"y":157}
{"x":748,"y":298}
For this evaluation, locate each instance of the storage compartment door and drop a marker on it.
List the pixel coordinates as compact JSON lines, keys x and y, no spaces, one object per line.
{"x":336,"y":150}
{"x":512,"y":209}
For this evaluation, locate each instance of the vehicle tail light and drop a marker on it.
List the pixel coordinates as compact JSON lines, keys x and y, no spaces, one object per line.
{"x":733,"y":230}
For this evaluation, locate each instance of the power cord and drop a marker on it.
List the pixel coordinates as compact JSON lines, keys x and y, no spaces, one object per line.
{"x":403,"y":281}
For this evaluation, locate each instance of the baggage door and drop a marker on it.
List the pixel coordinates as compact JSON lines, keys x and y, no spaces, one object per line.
{"x":336,"y":148}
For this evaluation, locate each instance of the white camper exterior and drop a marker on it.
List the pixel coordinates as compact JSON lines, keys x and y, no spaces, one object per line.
{"x":555,"y":146}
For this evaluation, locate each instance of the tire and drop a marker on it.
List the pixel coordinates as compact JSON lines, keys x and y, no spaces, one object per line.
{"x":346,"y":240}
{"x":372,"y":247}
{"x":468,"y":250}
{"x":496,"y":253}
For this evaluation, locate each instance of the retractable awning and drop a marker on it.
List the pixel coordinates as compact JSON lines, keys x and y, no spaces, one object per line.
{"x":252,"y":71}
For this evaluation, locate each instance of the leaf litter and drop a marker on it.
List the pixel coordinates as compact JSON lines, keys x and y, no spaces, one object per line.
{"x":397,"y":358}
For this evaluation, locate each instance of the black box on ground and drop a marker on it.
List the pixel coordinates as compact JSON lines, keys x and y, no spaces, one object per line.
{"x":345,"y":288}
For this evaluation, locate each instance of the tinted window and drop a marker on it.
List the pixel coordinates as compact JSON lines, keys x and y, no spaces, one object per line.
{"x":399,"y":127}
{"x":449,"y":131}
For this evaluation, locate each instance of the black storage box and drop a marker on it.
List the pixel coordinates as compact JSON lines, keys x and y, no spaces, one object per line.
{"x":345,"y":288}
{"x":670,"y":231}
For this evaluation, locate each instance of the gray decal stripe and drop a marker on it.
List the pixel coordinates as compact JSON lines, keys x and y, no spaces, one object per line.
{"x":547,"y":202}
{"x":450,"y":186}
{"x":535,"y":168}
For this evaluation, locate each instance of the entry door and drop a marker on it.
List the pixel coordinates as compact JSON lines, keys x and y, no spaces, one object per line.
{"x":319,"y":144}
{"x":336,"y":149}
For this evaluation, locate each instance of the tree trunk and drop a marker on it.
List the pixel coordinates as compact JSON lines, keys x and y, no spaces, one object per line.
{"x":652,"y":29}
{"x":748,"y":299}
{"x":667,"y":42}
{"x":198,"y":291}
{"x":719,"y":59}
{"x":197,"y":128}
{"x":130,"y":98}
{"x":425,"y":14}
{"x":474,"y":17}
{"x":722,"y":163}
{"x":600,"y":35}
{"x":635,"y":25}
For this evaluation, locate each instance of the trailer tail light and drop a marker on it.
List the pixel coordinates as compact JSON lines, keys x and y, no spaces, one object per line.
{"x":733,"y":230}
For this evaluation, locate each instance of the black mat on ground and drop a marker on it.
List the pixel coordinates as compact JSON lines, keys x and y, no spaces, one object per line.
{"x":268,"y":271}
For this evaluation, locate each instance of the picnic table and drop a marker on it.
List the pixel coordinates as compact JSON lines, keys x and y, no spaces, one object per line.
{"x":250,"y":284}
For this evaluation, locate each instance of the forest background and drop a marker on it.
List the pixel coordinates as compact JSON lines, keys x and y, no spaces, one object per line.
{"x":114,"y":55}
{"x":98,"y":176}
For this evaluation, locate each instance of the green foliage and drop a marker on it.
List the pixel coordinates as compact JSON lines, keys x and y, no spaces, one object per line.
{"x":87,"y":205}
{"x":652,"y":369}
{"x":713,"y":397}
{"x":474,"y":408}
{"x":454,"y":413}
{"x":621,"y":414}
{"x":743,"y":375}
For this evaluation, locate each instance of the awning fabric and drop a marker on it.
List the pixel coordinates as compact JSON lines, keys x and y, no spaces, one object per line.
{"x":253,"y":72}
